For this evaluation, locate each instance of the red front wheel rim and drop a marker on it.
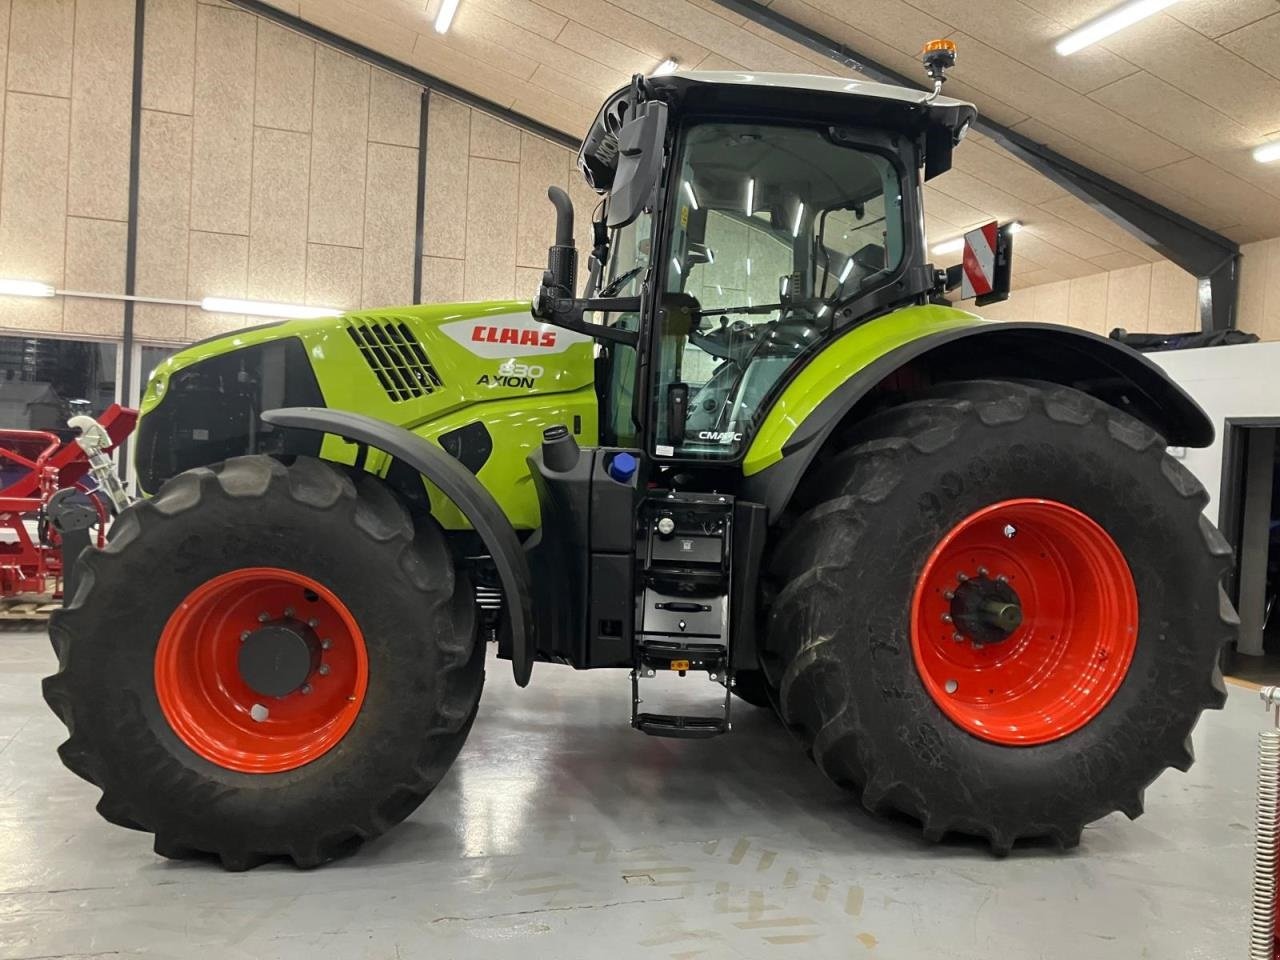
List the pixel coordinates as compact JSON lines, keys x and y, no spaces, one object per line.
{"x":1024,"y":621}
{"x":210,"y":704}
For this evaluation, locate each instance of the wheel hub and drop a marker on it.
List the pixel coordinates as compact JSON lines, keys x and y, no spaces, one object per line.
{"x":277,"y":658}
{"x":986,"y":610}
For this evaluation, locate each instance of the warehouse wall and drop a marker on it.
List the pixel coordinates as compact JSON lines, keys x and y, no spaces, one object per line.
{"x":1152,"y":297}
{"x":271,"y":167}
{"x":1156,"y":298}
{"x":1260,"y":289}
{"x":487,"y":221}
{"x":64,"y":165}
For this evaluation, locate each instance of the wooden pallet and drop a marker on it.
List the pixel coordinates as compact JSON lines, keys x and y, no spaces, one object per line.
{"x":27,"y":609}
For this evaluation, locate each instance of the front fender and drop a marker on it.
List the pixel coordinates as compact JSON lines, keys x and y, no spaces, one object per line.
{"x":952,"y":345}
{"x":466,"y":493}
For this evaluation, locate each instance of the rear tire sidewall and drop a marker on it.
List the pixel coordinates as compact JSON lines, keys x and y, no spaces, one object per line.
{"x":147,"y":759}
{"x":1076,"y":777}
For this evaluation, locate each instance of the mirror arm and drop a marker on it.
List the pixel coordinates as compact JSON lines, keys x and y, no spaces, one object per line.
{"x":567,"y":312}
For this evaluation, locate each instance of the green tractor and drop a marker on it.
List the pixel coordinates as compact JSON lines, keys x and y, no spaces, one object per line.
{"x":952,"y":555}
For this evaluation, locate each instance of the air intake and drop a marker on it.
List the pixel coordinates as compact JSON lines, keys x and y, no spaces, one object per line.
{"x":396,"y":358}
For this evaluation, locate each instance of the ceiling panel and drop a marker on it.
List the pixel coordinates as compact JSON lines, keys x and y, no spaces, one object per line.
{"x":1258,"y":43}
{"x":1214,"y":18}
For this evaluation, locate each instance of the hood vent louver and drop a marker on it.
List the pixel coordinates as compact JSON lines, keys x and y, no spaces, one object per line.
{"x":396,"y":358}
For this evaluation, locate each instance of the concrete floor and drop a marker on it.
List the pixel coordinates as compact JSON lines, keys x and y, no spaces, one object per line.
{"x":563,"y":834}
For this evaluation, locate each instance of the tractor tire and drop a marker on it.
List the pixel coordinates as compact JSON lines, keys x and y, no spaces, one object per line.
{"x":1000,"y":612}
{"x":235,"y":582}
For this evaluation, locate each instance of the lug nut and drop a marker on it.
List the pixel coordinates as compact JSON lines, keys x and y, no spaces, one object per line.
{"x":258,"y":713}
{"x":946,"y":618}
{"x":962,"y":576}
{"x":306,"y":688}
{"x":1010,"y":531}
{"x":244,"y":636}
{"x":313,"y":623}
{"x":1001,"y":578}
{"x":324,"y":670}
{"x":958,"y":637}
{"x":326,"y":643}
{"x":949,"y":595}
{"x":288,"y":611}
{"x":951,"y":686}
{"x":264,"y":617}
{"x":982,"y":571}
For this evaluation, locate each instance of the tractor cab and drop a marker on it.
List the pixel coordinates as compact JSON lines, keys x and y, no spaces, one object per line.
{"x":747,"y":219}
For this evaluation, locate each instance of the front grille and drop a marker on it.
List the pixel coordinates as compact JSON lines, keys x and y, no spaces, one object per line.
{"x":396,"y":358}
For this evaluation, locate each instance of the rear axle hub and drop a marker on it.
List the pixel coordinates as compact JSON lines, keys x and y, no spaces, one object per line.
{"x":985,"y":610}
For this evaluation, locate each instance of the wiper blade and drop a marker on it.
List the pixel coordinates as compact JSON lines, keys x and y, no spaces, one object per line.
{"x":754,"y":308}
{"x":620,"y":281}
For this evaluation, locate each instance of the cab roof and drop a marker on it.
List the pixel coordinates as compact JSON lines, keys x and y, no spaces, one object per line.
{"x":814,"y":83}
{"x":812,"y":97}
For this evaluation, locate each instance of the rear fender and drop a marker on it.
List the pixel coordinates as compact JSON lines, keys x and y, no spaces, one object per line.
{"x":466,"y":493}
{"x":965,"y":348}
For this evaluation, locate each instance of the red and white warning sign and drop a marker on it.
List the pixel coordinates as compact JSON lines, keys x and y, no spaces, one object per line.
{"x":979,"y":261}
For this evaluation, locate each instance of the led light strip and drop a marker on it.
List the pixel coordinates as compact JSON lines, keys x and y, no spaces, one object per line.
{"x":256,"y":308}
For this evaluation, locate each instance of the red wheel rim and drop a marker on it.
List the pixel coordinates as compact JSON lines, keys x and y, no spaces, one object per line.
{"x":1052,"y":673}
{"x":209,"y":704}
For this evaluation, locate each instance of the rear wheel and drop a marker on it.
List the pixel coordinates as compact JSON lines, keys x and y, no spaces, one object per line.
{"x":1000,"y":613}
{"x":266,"y":660}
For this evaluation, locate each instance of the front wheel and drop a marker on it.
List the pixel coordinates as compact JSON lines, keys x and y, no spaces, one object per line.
{"x":1001,"y":613}
{"x":266,"y":660}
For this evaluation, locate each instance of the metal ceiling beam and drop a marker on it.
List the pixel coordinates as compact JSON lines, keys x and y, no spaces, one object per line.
{"x":1212,"y":258}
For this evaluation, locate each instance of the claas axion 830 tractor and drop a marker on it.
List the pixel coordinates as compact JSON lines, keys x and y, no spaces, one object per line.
{"x":952,"y":554}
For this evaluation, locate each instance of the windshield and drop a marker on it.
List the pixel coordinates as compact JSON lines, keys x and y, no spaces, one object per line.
{"x":774,"y":227}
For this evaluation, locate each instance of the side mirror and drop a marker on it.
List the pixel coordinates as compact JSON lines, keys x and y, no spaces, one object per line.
{"x":640,"y":143}
{"x":556,"y":300}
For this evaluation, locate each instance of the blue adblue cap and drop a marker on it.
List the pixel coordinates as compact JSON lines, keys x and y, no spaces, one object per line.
{"x":622,"y":467}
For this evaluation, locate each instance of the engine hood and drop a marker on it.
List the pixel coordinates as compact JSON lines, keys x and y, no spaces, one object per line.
{"x":406,"y":365}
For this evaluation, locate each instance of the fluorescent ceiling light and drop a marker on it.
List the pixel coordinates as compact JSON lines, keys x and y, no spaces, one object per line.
{"x":795,"y":228}
{"x":1125,"y":15}
{"x":1014,"y":226}
{"x":444,"y":17}
{"x":25,"y":288}
{"x":688,"y":188}
{"x":949,"y":246}
{"x":1268,"y":152}
{"x":751,"y":197}
{"x":258,"y":308}
{"x":666,"y":67}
